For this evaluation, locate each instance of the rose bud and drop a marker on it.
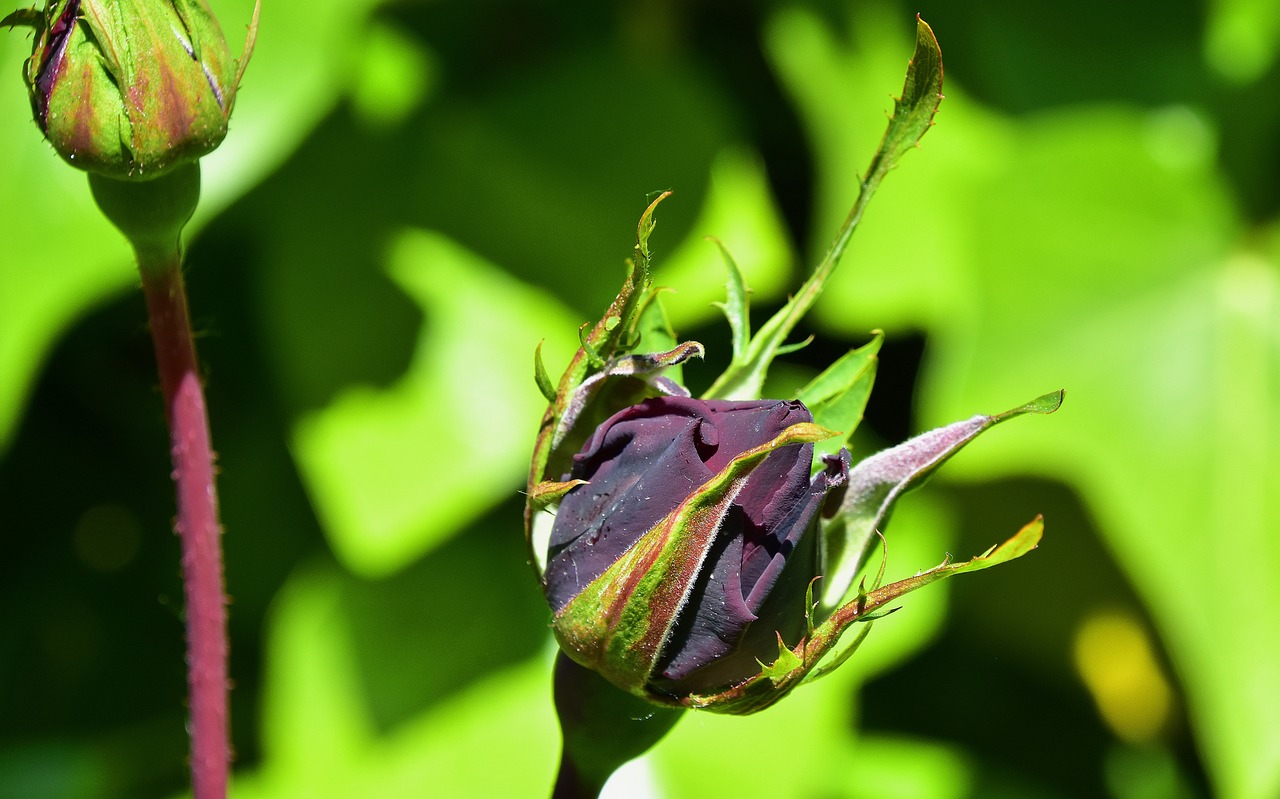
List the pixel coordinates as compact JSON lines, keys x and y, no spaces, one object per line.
{"x":680,"y":553}
{"x":130,"y":88}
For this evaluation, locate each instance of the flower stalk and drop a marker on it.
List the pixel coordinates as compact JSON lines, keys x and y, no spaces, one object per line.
{"x":152,"y":215}
{"x":197,"y":523}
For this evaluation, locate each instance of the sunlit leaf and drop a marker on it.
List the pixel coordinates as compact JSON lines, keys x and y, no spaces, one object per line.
{"x":392,"y":473}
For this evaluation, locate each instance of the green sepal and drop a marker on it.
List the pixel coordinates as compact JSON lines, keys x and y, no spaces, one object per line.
{"x":804,"y":661}
{"x":24,"y":18}
{"x":736,"y":307}
{"x":600,"y":343}
{"x":838,"y":397}
{"x":786,"y":663}
{"x":546,"y":493}
{"x":877,"y":482}
{"x":618,"y":624}
{"x":540,"y":375}
{"x":913,"y":114}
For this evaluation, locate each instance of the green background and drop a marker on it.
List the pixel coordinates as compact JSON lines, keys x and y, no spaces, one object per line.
{"x":413,"y":194}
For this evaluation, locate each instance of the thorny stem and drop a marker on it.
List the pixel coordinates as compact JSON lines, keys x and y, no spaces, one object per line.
{"x":197,"y":520}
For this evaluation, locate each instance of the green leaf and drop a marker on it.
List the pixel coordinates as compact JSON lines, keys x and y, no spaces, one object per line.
{"x":1161,"y":303}
{"x":319,"y":740}
{"x":62,"y":257}
{"x":371,"y":458}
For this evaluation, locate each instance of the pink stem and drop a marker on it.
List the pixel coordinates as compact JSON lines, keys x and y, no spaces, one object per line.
{"x":197,"y":524}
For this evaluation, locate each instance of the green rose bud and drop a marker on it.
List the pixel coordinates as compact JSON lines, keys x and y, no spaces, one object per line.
{"x":130,"y":88}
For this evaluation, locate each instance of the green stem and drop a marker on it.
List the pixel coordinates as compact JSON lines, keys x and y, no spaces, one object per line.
{"x":570,"y":783}
{"x":602,"y":727}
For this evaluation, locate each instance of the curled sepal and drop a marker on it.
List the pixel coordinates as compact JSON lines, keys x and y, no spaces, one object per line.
{"x":877,"y":482}
{"x":544,"y":494}
{"x":620,"y":622}
{"x":602,"y":343}
{"x":795,"y":664}
{"x":647,"y":368}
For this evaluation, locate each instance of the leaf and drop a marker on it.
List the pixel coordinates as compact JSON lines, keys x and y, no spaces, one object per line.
{"x":877,"y":482}
{"x":540,"y":376}
{"x":1163,"y":307}
{"x":315,"y":704}
{"x":372,"y":459}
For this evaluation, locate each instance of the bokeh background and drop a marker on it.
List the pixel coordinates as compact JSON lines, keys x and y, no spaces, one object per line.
{"x":414,"y":194}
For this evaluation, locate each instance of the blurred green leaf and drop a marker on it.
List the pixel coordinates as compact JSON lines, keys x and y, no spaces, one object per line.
{"x":740,"y":213}
{"x":393,"y":472}
{"x":1106,"y":230}
{"x":1170,"y":339}
{"x":61,"y":257}
{"x":318,"y":740}
{"x":1242,"y":37}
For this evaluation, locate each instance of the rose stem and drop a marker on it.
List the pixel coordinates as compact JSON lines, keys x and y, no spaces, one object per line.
{"x":197,"y":523}
{"x":152,"y":214}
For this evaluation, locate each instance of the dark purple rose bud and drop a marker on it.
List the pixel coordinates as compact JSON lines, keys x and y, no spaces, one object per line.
{"x":711,"y":500}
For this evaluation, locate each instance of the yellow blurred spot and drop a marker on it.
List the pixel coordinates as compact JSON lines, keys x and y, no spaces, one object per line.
{"x":1116,"y":661}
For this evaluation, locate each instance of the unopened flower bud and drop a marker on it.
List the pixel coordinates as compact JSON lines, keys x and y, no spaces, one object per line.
{"x":130,"y":88}
{"x":683,"y":556}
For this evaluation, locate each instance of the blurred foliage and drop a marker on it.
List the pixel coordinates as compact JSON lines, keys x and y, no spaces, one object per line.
{"x":414,"y":194}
